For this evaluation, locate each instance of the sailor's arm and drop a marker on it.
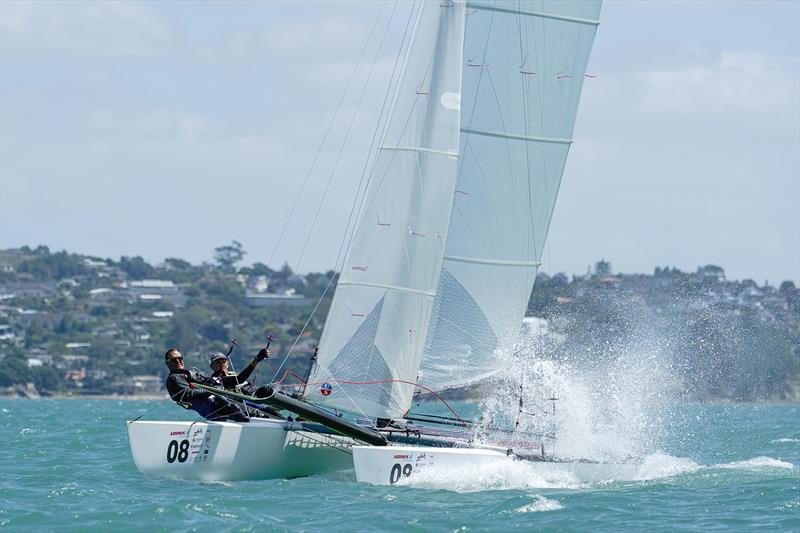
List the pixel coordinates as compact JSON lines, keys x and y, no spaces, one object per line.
{"x":245,"y":374}
{"x":180,"y":391}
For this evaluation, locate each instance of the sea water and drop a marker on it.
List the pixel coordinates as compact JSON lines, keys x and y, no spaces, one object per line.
{"x":65,"y":465}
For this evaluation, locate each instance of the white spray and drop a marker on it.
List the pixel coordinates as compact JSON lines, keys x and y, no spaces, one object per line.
{"x":610,"y":407}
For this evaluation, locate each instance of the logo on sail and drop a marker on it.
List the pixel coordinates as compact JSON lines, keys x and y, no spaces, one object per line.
{"x":326,"y":389}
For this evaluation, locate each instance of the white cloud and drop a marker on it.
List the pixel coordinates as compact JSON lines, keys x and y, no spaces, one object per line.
{"x":316,"y":36}
{"x":733,"y":83}
{"x":42,"y":28}
{"x":689,"y":159}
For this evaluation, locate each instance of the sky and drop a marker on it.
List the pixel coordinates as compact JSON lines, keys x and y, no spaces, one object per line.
{"x":166,"y":129}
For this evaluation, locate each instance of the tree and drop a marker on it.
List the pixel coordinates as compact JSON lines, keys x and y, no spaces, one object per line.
{"x":214,"y":331}
{"x":787,"y":287}
{"x":227,"y":256}
{"x":602,"y":268}
{"x":226,"y":290}
{"x":181,"y":335}
{"x":14,"y":370}
{"x":177,"y":264}
{"x":136,"y":267}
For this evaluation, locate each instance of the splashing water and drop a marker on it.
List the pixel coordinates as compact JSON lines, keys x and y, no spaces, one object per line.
{"x":612,"y":408}
{"x":504,"y":474}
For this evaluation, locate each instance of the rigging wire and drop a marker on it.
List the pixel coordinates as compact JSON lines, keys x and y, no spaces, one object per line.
{"x":157,"y":405}
{"x":344,"y":241}
{"x":324,"y":138}
{"x":346,"y":137}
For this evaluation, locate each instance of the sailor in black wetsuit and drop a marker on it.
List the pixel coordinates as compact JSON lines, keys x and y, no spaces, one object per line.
{"x":208,"y":405}
{"x":222,"y":377}
{"x":219,"y":364}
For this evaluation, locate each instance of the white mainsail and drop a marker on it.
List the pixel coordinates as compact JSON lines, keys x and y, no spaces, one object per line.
{"x":526,"y":63}
{"x":373,"y":340}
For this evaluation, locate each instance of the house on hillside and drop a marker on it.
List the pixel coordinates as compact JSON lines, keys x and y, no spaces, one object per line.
{"x":153,"y":290}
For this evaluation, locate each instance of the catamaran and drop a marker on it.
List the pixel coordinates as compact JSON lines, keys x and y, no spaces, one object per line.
{"x":440,"y":266}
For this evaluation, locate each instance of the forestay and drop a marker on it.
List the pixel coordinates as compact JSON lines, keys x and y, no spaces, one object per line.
{"x":372,"y":344}
{"x":525,"y":68}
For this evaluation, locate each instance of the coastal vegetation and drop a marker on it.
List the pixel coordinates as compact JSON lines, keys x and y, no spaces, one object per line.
{"x":77,"y":324}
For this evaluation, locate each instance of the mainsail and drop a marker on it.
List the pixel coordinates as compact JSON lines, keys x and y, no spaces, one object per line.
{"x":451,"y":232}
{"x":374,"y":336}
{"x":525,"y":68}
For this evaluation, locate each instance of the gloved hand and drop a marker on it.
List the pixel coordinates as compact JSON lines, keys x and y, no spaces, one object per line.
{"x":262,"y":354}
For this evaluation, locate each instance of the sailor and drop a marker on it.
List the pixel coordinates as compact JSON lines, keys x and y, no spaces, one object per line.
{"x":224,"y":378}
{"x":208,"y":405}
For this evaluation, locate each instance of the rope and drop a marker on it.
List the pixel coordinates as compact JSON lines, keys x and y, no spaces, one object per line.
{"x":322,"y":142}
{"x":347,"y":133}
{"x":158,"y":404}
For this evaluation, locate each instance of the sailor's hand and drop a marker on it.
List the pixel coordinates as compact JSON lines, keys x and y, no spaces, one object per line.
{"x":262,"y":354}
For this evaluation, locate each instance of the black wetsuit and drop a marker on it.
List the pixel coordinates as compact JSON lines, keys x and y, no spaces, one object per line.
{"x":208,"y":405}
{"x":241,"y":379}
{"x":245,"y":387}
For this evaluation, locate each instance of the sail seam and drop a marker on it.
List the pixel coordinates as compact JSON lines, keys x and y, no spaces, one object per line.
{"x":498,"y":262}
{"x":420,"y":149}
{"x":531,"y":138}
{"x":540,"y":14}
{"x":431,"y":294}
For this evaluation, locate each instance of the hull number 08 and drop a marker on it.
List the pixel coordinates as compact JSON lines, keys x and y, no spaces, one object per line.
{"x":397,"y":470}
{"x":178,"y":451}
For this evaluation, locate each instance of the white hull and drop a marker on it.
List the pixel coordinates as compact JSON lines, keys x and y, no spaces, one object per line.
{"x":387,"y":465}
{"x":232,"y":451}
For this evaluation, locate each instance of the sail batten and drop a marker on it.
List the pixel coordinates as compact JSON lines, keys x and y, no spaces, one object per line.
{"x":516,"y":137}
{"x":527,"y":13}
{"x":420,"y":149}
{"x":499,"y":262}
{"x":409,"y":290}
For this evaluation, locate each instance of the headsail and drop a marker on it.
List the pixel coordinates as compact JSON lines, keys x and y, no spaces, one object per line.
{"x":372,"y":344}
{"x":525,"y":67}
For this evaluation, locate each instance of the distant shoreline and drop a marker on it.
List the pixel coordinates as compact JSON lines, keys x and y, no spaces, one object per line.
{"x":127,"y":398}
{"x":155,"y":397}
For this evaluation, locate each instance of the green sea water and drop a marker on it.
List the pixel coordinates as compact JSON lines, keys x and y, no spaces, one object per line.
{"x":65,"y":465}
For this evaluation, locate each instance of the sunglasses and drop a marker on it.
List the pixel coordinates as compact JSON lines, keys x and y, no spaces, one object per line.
{"x":173,"y":359}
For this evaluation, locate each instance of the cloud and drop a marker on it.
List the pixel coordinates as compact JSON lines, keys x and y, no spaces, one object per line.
{"x":730,"y":85}
{"x":325,"y":35}
{"x":698,"y":86}
{"x":42,"y":28}
{"x":687,"y":159}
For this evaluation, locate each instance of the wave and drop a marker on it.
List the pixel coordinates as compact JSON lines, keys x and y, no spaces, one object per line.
{"x":756,"y":463}
{"x":524,"y":475}
{"x":661,"y":465}
{"x":503,"y":474}
{"x":541,"y":504}
{"x":785,"y":439}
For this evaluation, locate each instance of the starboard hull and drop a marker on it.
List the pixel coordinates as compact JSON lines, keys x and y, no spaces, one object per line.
{"x":388,"y":465}
{"x":232,"y":451}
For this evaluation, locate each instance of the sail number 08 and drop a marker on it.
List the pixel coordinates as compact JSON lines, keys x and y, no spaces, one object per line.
{"x":397,"y":470}
{"x":178,"y":451}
